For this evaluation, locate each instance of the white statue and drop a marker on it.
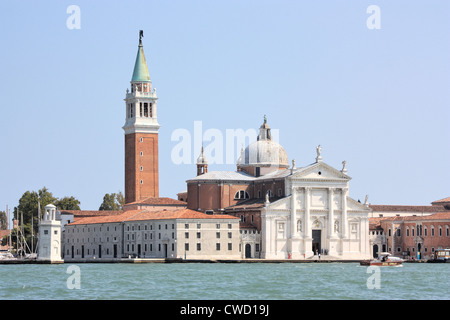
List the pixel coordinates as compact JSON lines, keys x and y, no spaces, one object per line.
{"x":344,"y":169}
{"x":318,"y":150}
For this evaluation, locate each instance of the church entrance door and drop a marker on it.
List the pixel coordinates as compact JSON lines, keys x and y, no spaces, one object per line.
{"x":248,"y":251}
{"x":316,"y":241}
{"x":375,"y":251}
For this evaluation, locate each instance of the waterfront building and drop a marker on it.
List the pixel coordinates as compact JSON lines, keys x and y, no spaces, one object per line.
{"x":296,"y":212}
{"x":49,"y":244}
{"x":179,"y":233}
{"x":414,"y":232}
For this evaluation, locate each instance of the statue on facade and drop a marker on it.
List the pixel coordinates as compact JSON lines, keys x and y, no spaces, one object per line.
{"x":344,"y":169}
{"x":319,"y":152}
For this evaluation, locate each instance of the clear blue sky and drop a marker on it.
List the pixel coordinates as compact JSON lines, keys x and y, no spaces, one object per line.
{"x":378,"y":99}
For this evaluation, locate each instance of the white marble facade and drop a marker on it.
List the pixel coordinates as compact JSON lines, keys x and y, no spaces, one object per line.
{"x":318,"y":216}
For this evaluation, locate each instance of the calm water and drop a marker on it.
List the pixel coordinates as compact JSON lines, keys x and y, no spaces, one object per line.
{"x":253,"y":281}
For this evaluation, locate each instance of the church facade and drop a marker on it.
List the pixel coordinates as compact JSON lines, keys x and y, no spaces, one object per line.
{"x":293,"y":213}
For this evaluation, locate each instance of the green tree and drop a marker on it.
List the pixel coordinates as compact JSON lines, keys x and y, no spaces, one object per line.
{"x":3,"y":221}
{"x":68,"y":203}
{"x":112,"y":201}
{"x":27,"y":212}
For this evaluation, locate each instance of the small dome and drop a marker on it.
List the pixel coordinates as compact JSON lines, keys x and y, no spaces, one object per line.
{"x":201,"y":158}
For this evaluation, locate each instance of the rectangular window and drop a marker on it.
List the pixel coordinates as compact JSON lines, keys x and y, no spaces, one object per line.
{"x":198,"y":235}
{"x":229,"y":235}
{"x":230,"y":246}
{"x":186,"y":235}
{"x":199,"y":246}
{"x":218,"y":235}
{"x":186,"y":246}
{"x":218,"y":246}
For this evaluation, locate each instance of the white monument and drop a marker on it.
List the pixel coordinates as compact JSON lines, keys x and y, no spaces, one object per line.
{"x":49,"y":246}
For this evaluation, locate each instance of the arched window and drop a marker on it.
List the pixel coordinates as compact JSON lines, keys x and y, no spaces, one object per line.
{"x":242,"y":194}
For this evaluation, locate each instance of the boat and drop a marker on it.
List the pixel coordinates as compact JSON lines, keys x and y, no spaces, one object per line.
{"x":385,"y":259}
{"x":441,"y":255}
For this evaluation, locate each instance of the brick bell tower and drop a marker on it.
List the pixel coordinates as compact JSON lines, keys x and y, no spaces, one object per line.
{"x":141,"y":134}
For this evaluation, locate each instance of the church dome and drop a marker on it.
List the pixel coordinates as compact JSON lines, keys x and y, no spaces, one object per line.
{"x":264,"y":152}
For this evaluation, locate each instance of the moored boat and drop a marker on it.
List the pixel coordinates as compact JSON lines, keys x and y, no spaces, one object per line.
{"x":385,"y":259}
{"x":441,"y":255}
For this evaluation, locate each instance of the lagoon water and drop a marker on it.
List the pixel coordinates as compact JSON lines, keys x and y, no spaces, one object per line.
{"x":224,"y":281}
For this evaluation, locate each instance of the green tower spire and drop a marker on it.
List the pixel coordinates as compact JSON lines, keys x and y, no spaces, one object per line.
{"x":140,"y":73}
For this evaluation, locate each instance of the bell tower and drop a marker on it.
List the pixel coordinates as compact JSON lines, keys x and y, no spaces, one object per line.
{"x":141,"y":133}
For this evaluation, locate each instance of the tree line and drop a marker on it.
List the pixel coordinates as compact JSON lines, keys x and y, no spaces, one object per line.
{"x":33,"y":202}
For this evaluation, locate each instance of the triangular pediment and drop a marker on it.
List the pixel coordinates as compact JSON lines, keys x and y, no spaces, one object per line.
{"x":281,"y":204}
{"x":354,"y":205}
{"x":319,"y":171}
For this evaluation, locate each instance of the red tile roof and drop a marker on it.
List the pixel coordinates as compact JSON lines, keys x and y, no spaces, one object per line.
{"x":91,"y":213}
{"x":139,"y":215}
{"x":159,"y":201}
{"x":442,"y":200}
{"x":401,"y":208}
{"x":375,"y":223}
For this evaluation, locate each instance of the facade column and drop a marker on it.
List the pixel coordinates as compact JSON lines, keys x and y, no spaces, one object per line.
{"x":307,"y":239}
{"x":307,"y":213}
{"x":344,"y":212}
{"x":293,"y":212}
{"x":330,"y":213}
